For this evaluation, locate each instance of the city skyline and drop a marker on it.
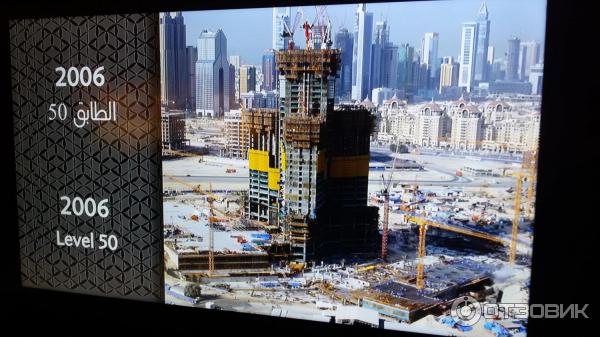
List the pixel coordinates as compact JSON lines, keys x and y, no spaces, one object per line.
{"x":527,"y":21}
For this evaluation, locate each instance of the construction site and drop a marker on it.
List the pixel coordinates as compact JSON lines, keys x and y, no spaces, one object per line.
{"x":318,"y":223}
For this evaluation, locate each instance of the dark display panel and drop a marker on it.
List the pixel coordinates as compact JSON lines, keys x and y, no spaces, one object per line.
{"x":87,"y":142}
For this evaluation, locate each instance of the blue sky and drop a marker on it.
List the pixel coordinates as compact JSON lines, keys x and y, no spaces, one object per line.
{"x":248,"y":31}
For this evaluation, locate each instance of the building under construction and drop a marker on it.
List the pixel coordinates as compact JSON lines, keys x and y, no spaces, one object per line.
{"x":309,"y":162}
{"x":262,"y":129}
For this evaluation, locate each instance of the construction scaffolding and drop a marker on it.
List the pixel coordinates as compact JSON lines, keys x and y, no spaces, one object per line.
{"x":319,"y":62}
{"x":262,"y":127}
{"x":260,"y":120}
{"x":302,"y":131}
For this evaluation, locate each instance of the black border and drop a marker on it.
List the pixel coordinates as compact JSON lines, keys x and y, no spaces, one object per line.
{"x":565,"y":239}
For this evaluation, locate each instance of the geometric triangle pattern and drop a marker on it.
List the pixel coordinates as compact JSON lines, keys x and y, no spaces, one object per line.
{"x":115,"y":160}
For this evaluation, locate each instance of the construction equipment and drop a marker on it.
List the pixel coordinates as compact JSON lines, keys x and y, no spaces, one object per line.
{"x":423,"y":226}
{"x":530,"y":165}
{"x":289,"y":31}
{"x":516,"y":219}
{"x":528,"y":173}
{"x":210,"y":198}
{"x":385,"y":191}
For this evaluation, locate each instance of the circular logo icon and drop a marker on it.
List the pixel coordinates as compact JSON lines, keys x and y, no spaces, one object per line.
{"x":466,"y":309}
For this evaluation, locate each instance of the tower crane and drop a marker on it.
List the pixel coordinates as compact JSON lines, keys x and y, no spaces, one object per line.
{"x":289,"y":31}
{"x":210,"y":198}
{"x":531,"y":177}
{"x":424,"y":224}
{"x":516,"y":218}
{"x":385,"y":191}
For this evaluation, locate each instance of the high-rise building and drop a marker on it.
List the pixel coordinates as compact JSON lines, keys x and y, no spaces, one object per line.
{"x":192,"y":58}
{"x":247,"y":78}
{"x":389,"y":66}
{"x":343,"y":42}
{"x":324,"y":161}
{"x":490,"y":64}
{"x":235,"y":60}
{"x":269,"y":70}
{"x":308,"y":162}
{"x":212,"y":74}
{"x":512,"y":59}
{"x":529,"y":53}
{"x":406,"y":69}
{"x":233,"y":102}
{"x":236,"y":135}
{"x":361,"y":54}
{"x":490,"y":55}
{"x":481,"y":51}
{"x":448,"y":74}
{"x":468,"y":47}
{"x":173,"y":60}
{"x":172,"y":131}
{"x":536,"y":78}
{"x":380,"y":41}
{"x":280,"y":15}
{"x":384,"y":59}
{"x":429,"y":55}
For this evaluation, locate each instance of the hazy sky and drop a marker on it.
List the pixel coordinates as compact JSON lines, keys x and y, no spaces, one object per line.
{"x":249,"y":31}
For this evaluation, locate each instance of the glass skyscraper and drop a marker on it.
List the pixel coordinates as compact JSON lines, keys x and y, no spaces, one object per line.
{"x":361,"y":59}
{"x":483,"y":41}
{"x":344,"y":42}
{"x":173,"y":60}
{"x":212,"y":74}
{"x":280,"y":15}
{"x":468,"y":46}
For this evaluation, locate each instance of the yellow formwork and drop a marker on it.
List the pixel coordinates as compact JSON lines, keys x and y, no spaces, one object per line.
{"x":349,"y":167}
{"x":273,"y":178}
{"x":258,"y":160}
{"x":283,"y":158}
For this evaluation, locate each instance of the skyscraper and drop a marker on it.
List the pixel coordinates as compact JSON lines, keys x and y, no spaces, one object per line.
{"x":483,"y":40}
{"x":322,"y":158}
{"x":232,"y":75}
{"x":236,"y":62}
{"x":468,"y":46}
{"x":380,"y":41}
{"x":192,"y":58}
{"x":406,"y":68}
{"x":247,"y":78}
{"x":361,"y":55}
{"x":389,"y":68}
{"x":212,"y":74}
{"x":344,"y":42}
{"x":490,"y":64}
{"x":448,"y":73}
{"x":529,"y":53}
{"x":536,"y":77}
{"x":173,"y":60}
{"x":269,"y":70}
{"x":512,"y":59}
{"x":280,"y":15}
{"x":429,"y":54}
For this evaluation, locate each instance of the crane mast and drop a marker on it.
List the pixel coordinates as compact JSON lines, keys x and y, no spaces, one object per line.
{"x":516,"y":219}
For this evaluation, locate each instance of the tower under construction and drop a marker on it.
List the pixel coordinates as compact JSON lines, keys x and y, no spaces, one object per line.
{"x":262,"y":130}
{"x":309,"y":162}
